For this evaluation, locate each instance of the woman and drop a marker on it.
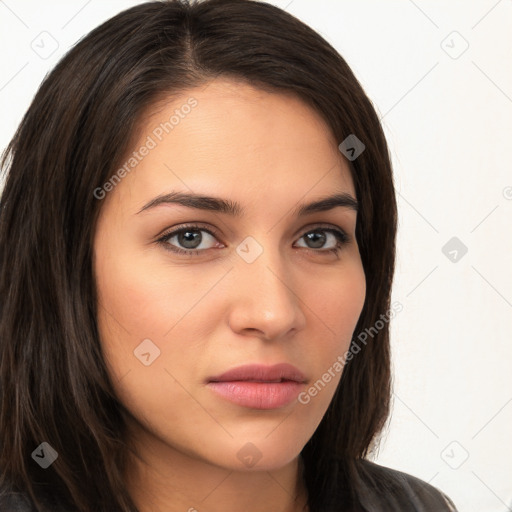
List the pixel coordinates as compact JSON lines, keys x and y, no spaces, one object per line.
{"x":198,"y":223}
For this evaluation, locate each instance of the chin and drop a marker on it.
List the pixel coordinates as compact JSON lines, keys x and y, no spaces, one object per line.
{"x":258,"y":454}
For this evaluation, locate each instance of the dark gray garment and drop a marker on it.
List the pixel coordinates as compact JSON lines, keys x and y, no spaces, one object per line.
{"x":389,"y":490}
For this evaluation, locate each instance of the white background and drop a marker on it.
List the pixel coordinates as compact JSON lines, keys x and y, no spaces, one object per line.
{"x":447,"y":113}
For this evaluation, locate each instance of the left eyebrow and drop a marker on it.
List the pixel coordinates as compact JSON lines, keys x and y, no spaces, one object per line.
{"x":328,"y":203}
{"x":234,"y":209}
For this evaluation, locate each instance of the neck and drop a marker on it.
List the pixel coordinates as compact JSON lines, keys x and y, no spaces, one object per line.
{"x":164,"y":479}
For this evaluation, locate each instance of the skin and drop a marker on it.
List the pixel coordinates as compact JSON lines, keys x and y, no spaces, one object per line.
{"x":296,"y":302}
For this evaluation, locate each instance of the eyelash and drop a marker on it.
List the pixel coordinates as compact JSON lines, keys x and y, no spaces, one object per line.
{"x":341,"y":237}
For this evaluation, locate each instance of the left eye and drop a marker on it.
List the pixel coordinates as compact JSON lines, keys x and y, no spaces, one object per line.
{"x":337,"y":237}
{"x":190,"y":239}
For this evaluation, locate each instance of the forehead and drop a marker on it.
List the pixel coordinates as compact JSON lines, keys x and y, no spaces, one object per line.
{"x":236,"y":139}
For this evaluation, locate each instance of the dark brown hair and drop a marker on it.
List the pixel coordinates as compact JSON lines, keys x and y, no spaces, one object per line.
{"x":54,"y":385}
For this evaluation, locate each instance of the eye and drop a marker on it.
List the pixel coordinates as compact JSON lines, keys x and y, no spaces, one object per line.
{"x":189,"y":239}
{"x":319,"y":236}
{"x":337,"y":237}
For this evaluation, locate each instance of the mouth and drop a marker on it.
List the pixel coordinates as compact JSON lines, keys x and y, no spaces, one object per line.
{"x":262,"y":381}
{"x":261,"y":373}
{"x":259,"y":386}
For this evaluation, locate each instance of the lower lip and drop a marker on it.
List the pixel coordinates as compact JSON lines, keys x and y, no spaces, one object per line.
{"x":258,"y":395}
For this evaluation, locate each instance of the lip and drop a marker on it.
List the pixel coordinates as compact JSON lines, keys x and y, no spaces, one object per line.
{"x":258,"y":386}
{"x":261,"y":373}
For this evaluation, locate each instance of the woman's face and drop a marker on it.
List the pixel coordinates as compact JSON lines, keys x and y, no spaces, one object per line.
{"x":259,"y":287}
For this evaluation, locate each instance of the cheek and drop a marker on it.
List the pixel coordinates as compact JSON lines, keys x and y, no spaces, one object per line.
{"x":142,"y":313}
{"x":140,"y":299}
{"x":134,"y":294}
{"x":134,"y":305}
{"x":346,"y":301}
{"x":336,"y":309}
{"x":339,"y":302}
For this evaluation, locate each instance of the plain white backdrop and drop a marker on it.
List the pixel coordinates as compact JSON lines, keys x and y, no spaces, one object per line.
{"x":440,"y":75}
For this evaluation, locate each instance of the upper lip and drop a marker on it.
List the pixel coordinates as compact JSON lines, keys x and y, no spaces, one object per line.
{"x":261,"y":373}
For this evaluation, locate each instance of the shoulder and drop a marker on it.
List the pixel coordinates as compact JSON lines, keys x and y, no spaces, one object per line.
{"x":13,"y":501}
{"x":384,"y":488}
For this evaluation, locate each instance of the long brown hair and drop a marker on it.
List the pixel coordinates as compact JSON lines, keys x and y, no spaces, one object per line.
{"x":54,"y":385}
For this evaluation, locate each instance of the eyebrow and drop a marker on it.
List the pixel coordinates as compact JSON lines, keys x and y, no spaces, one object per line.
{"x":234,"y":209}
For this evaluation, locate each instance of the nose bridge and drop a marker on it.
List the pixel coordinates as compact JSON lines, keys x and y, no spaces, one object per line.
{"x":265,"y":298}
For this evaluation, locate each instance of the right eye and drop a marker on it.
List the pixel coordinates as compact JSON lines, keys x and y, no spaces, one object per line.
{"x":189,"y":237}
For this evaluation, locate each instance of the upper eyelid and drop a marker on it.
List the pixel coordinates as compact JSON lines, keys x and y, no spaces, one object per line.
{"x":199,"y":227}
{"x":214,"y":233}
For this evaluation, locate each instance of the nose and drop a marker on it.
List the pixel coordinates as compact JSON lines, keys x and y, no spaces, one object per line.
{"x":264,"y":296}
